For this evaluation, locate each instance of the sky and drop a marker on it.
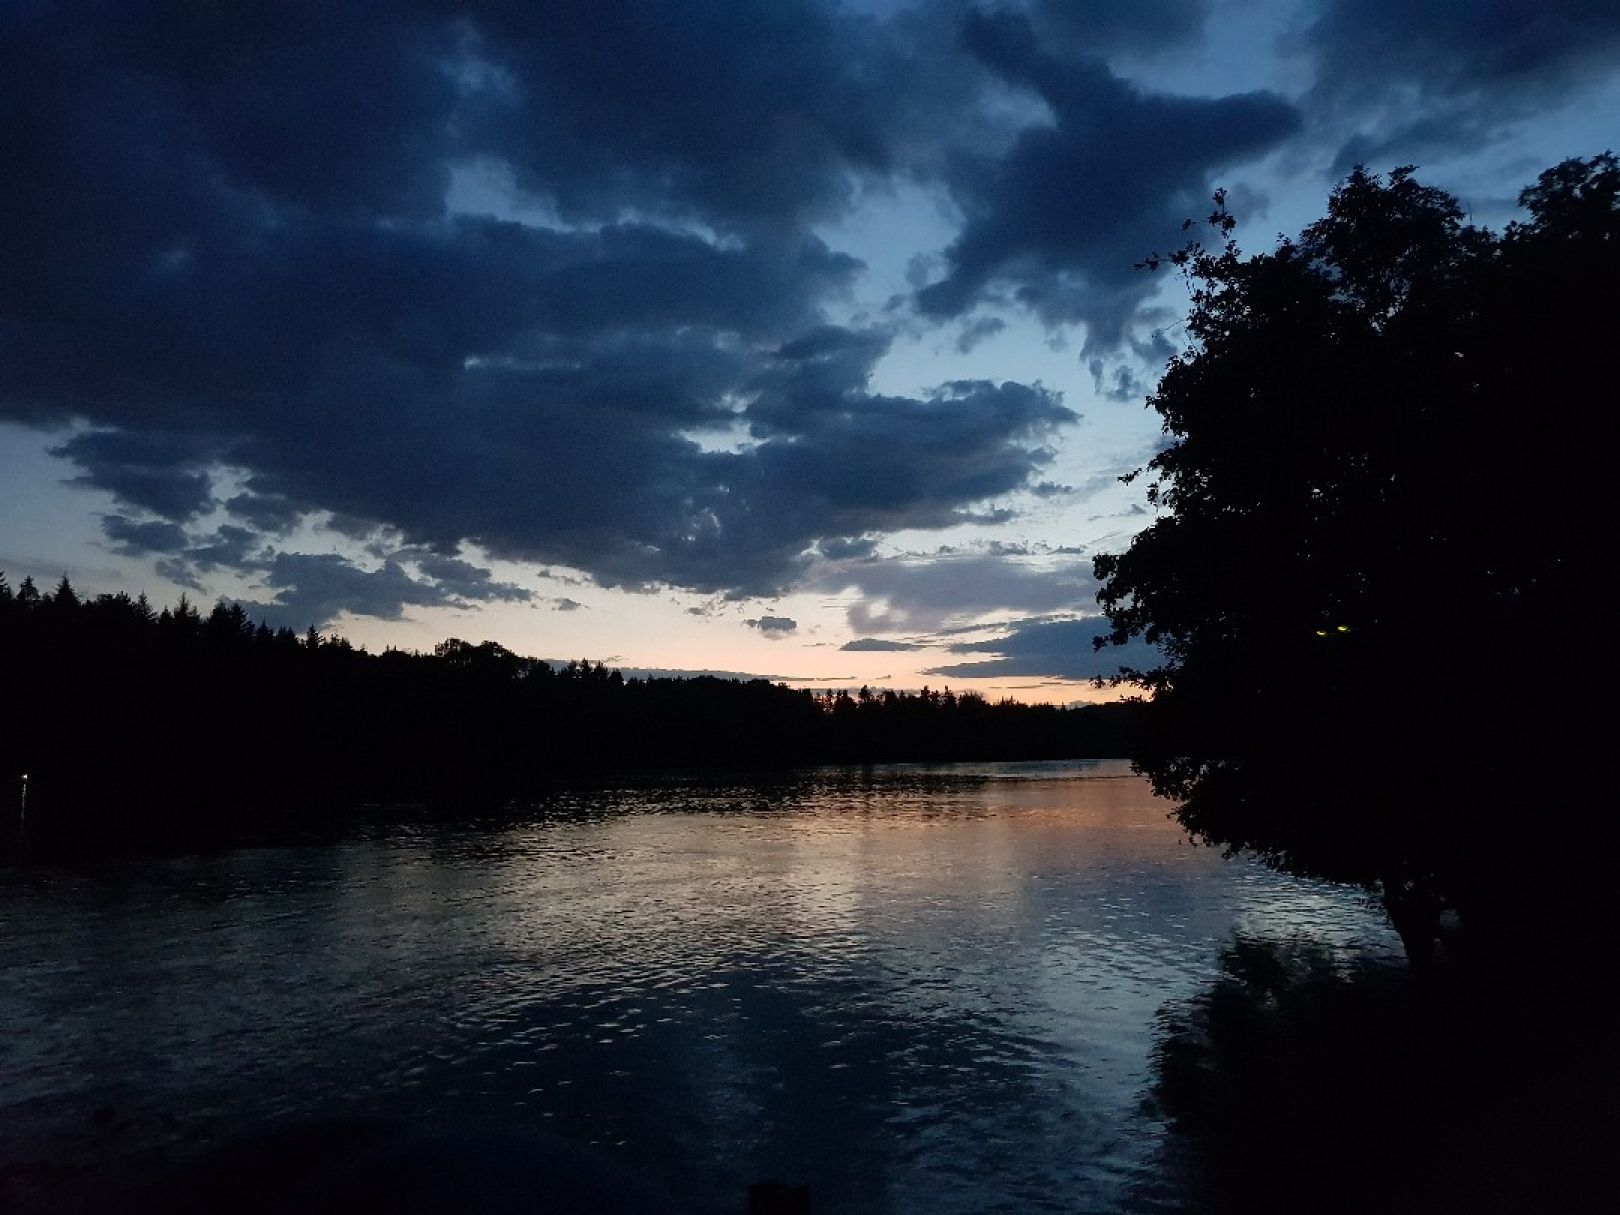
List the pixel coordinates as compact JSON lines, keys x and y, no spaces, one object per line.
{"x":793,"y":339}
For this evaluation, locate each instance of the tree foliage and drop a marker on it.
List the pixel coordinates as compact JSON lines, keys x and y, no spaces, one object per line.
{"x":1373,"y":571}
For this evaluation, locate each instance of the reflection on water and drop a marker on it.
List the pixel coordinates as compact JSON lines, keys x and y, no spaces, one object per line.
{"x":914,"y":989}
{"x":1308,"y":1079}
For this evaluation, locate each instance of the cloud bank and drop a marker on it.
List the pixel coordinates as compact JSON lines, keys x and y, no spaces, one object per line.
{"x":1057,"y":649}
{"x":548,"y":283}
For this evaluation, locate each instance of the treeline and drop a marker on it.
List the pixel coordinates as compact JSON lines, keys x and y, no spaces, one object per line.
{"x":133,"y":722}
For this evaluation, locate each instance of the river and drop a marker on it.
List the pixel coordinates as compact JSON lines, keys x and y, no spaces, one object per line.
{"x":913,"y":989}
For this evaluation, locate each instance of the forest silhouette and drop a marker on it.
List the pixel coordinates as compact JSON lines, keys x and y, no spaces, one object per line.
{"x":141,"y":725}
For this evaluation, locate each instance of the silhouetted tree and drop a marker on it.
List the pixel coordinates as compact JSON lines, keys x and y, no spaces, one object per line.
{"x":1372,"y":573}
{"x":65,"y":598}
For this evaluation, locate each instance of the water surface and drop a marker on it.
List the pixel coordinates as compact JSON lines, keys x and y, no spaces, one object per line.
{"x":916,"y":989}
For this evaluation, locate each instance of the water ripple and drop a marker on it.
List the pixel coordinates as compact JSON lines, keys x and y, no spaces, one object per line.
{"x":916,"y":989}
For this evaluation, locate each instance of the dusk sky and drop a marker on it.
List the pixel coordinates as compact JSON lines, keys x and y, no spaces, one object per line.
{"x":775,"y":338}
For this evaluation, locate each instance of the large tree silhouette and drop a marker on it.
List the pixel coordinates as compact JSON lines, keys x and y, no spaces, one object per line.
{"x":1381,"y":510}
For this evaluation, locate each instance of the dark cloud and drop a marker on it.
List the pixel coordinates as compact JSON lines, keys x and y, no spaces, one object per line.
{"x":180,"y":572}
{"x":877,"y":645}
{"x":978,"y":330}
{"x":1115,"y":381}
{"x":736,"y":113}
{"x":1143,"y":26}
{"x":458,"y":579}
{"x":228,"y":253}
{"x":774,"y":627}
{"x":266,"y":512}
{"x":1418,"y":80}
{"x":231,"y":268}
{"x":187,"y":555}
{"x":837,"y":460}
{"x":150,"y":471}
{"x":1062,"y":218}
{"x":588,"y":466}
{"x":912,"y":594}
{"x":135,"y":539}
{"x":312,"y":589}
{"x":1000,"y":548}
{"x":1060,"y":649}
{"x":565,"y":604}
{"x":1458,"y":46}
{"x":839,"y":548}
{"x":229,"y":547}
{"x":1130,"y":373}
{"x":316,"y":588}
